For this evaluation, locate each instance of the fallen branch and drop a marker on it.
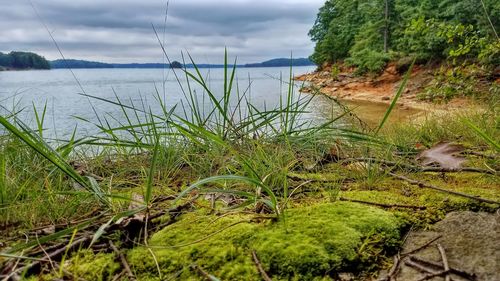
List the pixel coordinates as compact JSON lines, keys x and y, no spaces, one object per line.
{"x":123,"y":261}
{"x":118,"y":276}
{"x":419,"y":267}
{"x":382,"y":204}
{"x":415,"y":168}
{"x":437,"y":274}
{"x":55,"y":254}
{"x":475,"y":153}
{"x":421,"y":247}
{"x":458,"y":272}
{"x":260,"y":268}
{"x":204,"y":273}
{"x":426,"y":185}
{"x":299,"y":177}
{"x":393,"y":271}
{"x":397,"y":261}
{"x":445,"y":261}
{"x":464,"y":169}
{"x":129,"y":225}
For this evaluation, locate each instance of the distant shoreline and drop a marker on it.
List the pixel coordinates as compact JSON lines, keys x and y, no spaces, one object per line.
{"x":83,"y":64}
{"x":188,"y":67}
{"x":21,"y":69}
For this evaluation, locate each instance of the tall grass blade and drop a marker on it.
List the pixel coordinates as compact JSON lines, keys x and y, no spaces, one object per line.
{"x":149,"y":184}
{"x":40,"y":119}
{"x":3,"y":181}
{"x":48,"y":153}
{"x":395,"y":99}
{"x":482,"y":134}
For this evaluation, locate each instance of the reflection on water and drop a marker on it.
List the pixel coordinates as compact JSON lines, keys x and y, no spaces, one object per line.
{"x":370,"y":113}
{"x":58,"y":88}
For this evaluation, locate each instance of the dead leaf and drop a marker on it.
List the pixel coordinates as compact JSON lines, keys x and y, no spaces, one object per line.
{"x":136,"y":202}
{"x":443,"y":154}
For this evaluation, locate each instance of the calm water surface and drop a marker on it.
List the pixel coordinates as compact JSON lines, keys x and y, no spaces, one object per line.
{"x":19,"y":90}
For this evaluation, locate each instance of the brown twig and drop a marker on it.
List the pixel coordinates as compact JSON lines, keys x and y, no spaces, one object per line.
{"x":430,"y":276}
{"x":382,"y":204}
{"x":260,"y":268}
{"x":458,"y":272}
{"x":391,"y":275}
{"x":464,"y":169}
{"x":475,"y":153}
{"x":421,"y":247}
{"x":394,"y":269}
{"x":426,"y":185}
{"x":53,"y":255}
{"x":420,"y":267}
{"x":415,"y":168}
{"x":297,"y":177}
{"x":123,"y":261}
{"x":118,"y":276}
{"x":203,"y":272}
{"x":445,"y":261}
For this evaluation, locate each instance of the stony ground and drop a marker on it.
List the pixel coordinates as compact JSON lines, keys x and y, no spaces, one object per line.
{"x":469,"y":244}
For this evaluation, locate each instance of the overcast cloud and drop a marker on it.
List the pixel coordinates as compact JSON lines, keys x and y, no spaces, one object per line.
{"x":120,"y":30}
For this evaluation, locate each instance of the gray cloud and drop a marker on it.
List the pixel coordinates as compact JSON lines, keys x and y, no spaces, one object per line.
{"x":120,"y":30}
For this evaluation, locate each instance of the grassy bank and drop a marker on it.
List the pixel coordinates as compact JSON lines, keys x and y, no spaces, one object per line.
{"x":232,"y":193}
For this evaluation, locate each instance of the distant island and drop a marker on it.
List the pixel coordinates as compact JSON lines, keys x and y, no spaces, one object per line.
{"x":22,"y":60}
{"x":27,"y":60}
{"x":72,"y":63}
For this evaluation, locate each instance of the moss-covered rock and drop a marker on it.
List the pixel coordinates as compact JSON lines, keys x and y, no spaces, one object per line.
{"x":310,"y":243}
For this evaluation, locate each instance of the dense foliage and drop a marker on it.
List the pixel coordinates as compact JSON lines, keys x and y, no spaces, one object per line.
{"x":23,"y":60}
{"x":71,"y":63}
{"x":368,"y":33}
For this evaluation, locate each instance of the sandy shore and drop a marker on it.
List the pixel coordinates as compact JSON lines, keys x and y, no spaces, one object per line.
{"x":381,"y":89}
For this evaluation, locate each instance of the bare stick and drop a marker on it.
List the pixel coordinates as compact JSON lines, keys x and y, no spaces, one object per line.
{"x":422,"y":247}
{"x":394,"y":268}
{"x":56,"y":253}
{"x":382,"y":204}
{"x":259,"y":267}
{"x":123,"y":260}
{"x":445,"y":261}
{"x":464,"y":169}
{"x":118,"y":276}
{"x":203,"y":272}
{"x":426,"y":185}
{"x":419,"y":267}
{"x":440,"y":266}
{"x":430,"y":276}
{"x":415,"y":168}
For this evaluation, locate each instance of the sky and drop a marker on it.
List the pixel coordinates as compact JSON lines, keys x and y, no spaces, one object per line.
{"x":120,"y":31}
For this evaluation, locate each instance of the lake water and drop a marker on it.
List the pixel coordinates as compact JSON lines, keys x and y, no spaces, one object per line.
{"x":19,"y":90}
{"x":62,"y":92}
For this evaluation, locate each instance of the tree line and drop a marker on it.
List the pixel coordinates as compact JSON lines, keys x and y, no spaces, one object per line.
{"x":23,"y":60}
{"x":369,"y":33}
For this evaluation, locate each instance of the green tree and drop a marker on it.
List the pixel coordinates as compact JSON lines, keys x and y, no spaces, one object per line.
{"x":176,"y":64}
{"x":334,"y":30}
{"x":23,"y":60}
{"x":366,"y":32}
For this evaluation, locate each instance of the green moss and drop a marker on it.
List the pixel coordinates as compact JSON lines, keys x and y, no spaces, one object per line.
{"x":89,"y":266}
{"x":390,"y":191}
{"x":309,"y":244}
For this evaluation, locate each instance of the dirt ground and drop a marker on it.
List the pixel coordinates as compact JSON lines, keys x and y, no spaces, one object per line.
{"x":379,"y":89}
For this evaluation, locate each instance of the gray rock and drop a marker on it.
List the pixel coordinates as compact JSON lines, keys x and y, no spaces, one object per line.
{"x":471,"y":242}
